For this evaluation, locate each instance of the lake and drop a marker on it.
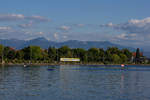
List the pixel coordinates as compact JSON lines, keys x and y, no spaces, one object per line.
{"x":68,"y":82}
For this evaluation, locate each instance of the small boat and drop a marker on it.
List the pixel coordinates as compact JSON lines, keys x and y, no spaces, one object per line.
{"x":27,"y":65}
{"x":122,"y":65}
{"x":24,"y":65}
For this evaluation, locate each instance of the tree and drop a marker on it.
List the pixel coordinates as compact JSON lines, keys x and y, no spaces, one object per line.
{"x":9,"y":53}
{"x":36,"y":52}
{"x":64,"y":51}
{"x":110,"y":53}
{"x":108,"y":56}
{"x":116,"y":59}
{"x":97,"y":55}
{"x":27,"y":53}
{"x":123,"y":58}
{"x":80,"y":53}
{"x":32,"y":53}
{"x":137,"y":58}
{"x":1,"y":52}
{"x":93,"y":55}
{"x":137,"y":53}
{"x":101,"y":55}
{"x":113,"y":50}
{"x":127,"y":53}
{"x":19,"y":54}
{"x":52,"y":53}
{"x":45,"y":55}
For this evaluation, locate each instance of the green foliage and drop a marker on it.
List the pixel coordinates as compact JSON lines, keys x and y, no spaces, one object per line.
{"x":45,"y":55}
{"x":19,"y":54}
{"x":52,"y":53}
{"x":80,"y":53}
{"x":127,"y":53}
{"x":116,"y":59}
{"x":64,"y":51}
{"x":101,"y":54}
{"x":35,"y":54}
{"x":1,"y":50}
{"x":32,"y":53}
{"x":93,"y":55}
{"x":113,"y":50}
{"x":9,"y":53}
{"x":108,"y":56}
{"x":124,"y":58}
{"x":27,"y":53}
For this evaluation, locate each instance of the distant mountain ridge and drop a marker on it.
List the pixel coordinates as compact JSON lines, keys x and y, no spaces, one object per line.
{"x":44,"y":43}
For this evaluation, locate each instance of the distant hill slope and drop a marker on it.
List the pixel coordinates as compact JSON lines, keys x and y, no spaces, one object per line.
{"x":44,"y":43}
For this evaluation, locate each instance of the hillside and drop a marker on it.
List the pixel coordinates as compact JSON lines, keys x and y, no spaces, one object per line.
{"x":44,"y":43}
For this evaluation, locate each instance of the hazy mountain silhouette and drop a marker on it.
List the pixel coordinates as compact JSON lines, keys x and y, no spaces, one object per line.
{"x":44,"y":43}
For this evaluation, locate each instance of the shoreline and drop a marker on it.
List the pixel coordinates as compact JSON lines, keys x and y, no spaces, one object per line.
{"x":58,"y":64}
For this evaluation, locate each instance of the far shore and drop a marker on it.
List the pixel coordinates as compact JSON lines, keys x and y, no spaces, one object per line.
{"x":57,"y":64}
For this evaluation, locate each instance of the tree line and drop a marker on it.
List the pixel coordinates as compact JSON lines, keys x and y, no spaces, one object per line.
{"x":35,"y":54}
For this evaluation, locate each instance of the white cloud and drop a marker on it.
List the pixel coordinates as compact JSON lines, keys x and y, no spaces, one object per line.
{"x":11,"y":17}
{"x":28,"y":25}
{"x":65,"y":28}
{"x":125,"y":36}
{"x":56,"y":36}
{"x":5,"y":28}
{"x":133,"y":26}
{"x":28,"y":32}
{"x":32,"y":33}
{"x":40,"y":33}
{"x":14,"y":17}
{"x":121,"y":36}
{"x":37,"y":18}
{"x":143,"y":21}
{"x":109,"y":25}
{"x":135,"y":30}
{"x":65,"y":37}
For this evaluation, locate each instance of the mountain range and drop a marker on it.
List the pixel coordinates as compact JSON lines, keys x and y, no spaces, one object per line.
{"x":44,"y":43}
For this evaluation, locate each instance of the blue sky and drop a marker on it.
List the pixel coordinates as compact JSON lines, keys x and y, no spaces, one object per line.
{"x":126,"y":22}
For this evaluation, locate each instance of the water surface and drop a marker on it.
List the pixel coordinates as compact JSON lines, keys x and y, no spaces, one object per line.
{"x":74,"y":83}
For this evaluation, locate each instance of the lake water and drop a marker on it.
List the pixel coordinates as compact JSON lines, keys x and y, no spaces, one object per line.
{"x":75,"y":83}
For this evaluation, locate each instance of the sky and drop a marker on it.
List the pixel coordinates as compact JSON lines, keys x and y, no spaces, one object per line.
{"x":126,"y":22}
